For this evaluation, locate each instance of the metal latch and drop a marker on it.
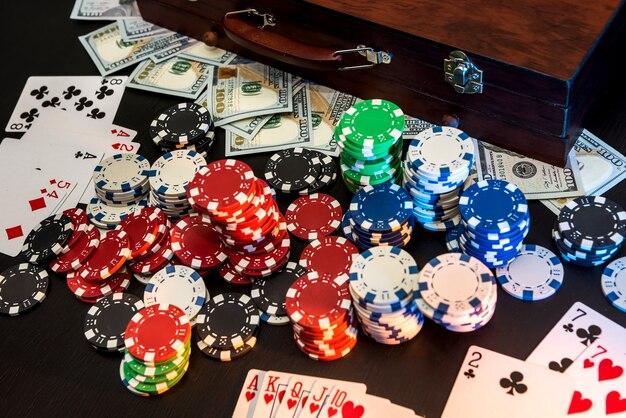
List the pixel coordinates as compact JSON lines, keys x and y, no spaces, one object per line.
{"x":462,"y":74}
{"x":372,"y":56}
{"x":267,"y":19}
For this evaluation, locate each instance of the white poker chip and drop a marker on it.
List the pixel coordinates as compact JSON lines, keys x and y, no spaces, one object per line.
{"x":455,"y":284}
{"x":177,"y":285}
{"x":171,"y":173}
{"x":535,"y":274}
{"x":99,"y":213}
{"x":121,"y":172}
{"x":614,"y":283}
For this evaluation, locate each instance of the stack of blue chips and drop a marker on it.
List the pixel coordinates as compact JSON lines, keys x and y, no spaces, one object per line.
{"x":495,"y":220}
{"x":589,"y":230}
{"x":436,"y":169}
{"x":380,"y":215}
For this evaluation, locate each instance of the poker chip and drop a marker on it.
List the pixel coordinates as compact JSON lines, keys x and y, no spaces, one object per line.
{"x":313,"y":216}
{"x":90,"y":291}
{"x":79,"y":253}
{"x":291,"y":170}
{"x":614,"y":283}
{"x":22,"y":287}
{"x":151,"y":263}
{"x":230,"y":275}
{"x":228,"y":354}
{"x":275,"y":320}
{"x":47,"y":239}
{"x":329,"y":256}
{"x":456,"y":291}
{"x":80,"y":222}
{"x":196,"y":244}
{"x":141,"y":228}
{"x":227,"y":321}
{"x":326,"y":177}
{"x":109,"y":257}
{"x":372,"y":123}
{"x":269,"y":294}
{"x":158,"y":333}
{"x":183,"y":123}
{"x":452,"y":239}
{"x":176,"y":285}
{"x":535,"y":274}
{"x":155,"y":369}
{"x":106,"y":216}
{"x":121,"y":173}
{"x":106,"y":321}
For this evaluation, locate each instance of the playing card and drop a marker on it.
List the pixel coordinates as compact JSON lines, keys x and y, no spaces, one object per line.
{"x":336,"y":401}
{"x":271,"y":393}
{"x":249,"y":394}
{"x":90,"y":96}
{"x":490,"y":384}
{"x":580,"y":327}
{"x":600,"y":380}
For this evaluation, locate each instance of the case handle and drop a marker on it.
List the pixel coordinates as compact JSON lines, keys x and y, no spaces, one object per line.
{"x":241,"y":30}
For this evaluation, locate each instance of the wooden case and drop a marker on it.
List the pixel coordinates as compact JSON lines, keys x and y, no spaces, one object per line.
{"x":542,"y":63}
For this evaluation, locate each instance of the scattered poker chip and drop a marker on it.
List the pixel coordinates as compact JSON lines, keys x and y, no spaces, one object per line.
{"x":106,"y":320}
{"x":158,"y":333}
{"x":151,"y":263}
{"x":313,"y":216}
{"x":275,"y":320}
{"x":177,"y":285}
{"x":265,"y":261}
{"x":329,"y":256}
{"x":90,"y":291}
{"x":196,"y":244}
{"x":227,"y":321}
{"x":269,"y":294}
{"x":291,"y":170}
{"x":22,"y":287}
{"x":228,"y":354}
{"x":327,"y":175}
{"x":535,"y":274}
{"x":47,"y":239}
{"x":109,"y":257}
{"x":141,"y":228}
{"x":182,"y":124}
{"x":80,"y":221}
{"x":614,"y":283}
{"x":79,"y":253}
{"x":227,"y":272}
{"x":121,"y":173}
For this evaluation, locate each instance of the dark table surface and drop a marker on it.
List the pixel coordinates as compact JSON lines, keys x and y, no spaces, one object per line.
{"x":47,"y":366}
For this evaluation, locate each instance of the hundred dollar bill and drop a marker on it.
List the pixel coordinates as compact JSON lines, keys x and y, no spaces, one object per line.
{"x":284,"y":130}
{"x":174,"y":51}
{"x":135,"y":29}
{"x":247,"y":128}
{"x":111,"y":53}
{"x":536,"y":179}
{"x":601,"y":168}
{"x":104,"y":9}
{"x":244,"y":91}
{"x":413,"y":126}
{"x":208,"y":54}
{"x":327,"y":107}
{"x":176,"y":77}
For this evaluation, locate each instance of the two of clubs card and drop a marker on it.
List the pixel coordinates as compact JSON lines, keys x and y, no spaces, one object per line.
{"x":272,"y":394}
{"x":578,"y":370}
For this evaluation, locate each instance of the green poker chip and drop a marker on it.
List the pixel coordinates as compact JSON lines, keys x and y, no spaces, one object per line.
{"x":153,"y":388}
{"x":159,"y":368}
{"x":371,"y":124}
{"x":161,"y":378}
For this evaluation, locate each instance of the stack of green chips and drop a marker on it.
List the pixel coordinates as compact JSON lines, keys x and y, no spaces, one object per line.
{"x":369,"y":136}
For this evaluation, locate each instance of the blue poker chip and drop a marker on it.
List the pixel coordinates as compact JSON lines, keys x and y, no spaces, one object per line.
{"x":383,"y":207}
{"x":535,"y":274}
{"x":452,"y":239}
{"x":493,"y":206}
{"x":121,"y":173}
{"x":614,"y":283}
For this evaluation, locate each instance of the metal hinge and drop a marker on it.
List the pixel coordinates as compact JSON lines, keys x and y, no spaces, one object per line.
{"x":462,"y":74}
{"x":372,"y":56}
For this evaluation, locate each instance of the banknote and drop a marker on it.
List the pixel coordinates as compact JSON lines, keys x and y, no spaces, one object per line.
{"x":111,"y":53}
{"x":247,"y":128}
{"x":601,"y":168}
{"x":174,"y":51}
{"x":104,"y":9}
{"x":327,"y":107}
{"x":413,"y":126}
{"x":536,"y":179}
{"x":176,"y":77}
{"x":248,"y":90}
{"x":208,"y":54}
{"x":134,"y":29}
{"x":284,"y":130}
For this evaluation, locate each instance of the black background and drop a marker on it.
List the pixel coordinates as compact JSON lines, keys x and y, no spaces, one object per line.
{"x":47,"y":366}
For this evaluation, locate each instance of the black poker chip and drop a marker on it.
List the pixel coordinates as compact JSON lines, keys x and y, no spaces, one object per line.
{"x":22,"y":287}
{"x":269,"y":294}
{"x":47,"y":239}
{"x":227,"y":321}
{"x":293,"y":169}
{"x":328,"y":174}
{"x":106,"y":320}
{"x":229,"y":354}
{"x":184,"y":123}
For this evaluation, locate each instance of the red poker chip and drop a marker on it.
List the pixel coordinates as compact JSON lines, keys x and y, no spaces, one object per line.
{"x":157,"y":333}
{"x":202,"y":272}
{"x":221,"y":186}
{"x":141,"y":228}
{"x":108,"y":258}
{"x":82,"y":288}
{"x":163,"y":233}
{"x":79,"y":253}
{"x":327,"y":355}
{"x":318,"y":302}
{"x":153,"y":262}
{"x":263,"y":261}
{"x":80,"y":221}
{"x":123,"y":287}
{"x":339,"y":341}
{"x":314,"y":216}
{"x":329,"y":256}
{"x":228,"y":273}
{"x":252,"y":234}
{"x":262,"y":273}
{"x":196,"y":244}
